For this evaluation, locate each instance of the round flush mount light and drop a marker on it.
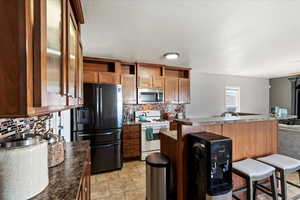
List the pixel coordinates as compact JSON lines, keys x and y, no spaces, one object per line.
{"x":171,"y":55}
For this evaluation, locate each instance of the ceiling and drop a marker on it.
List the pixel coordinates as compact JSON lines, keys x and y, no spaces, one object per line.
{"x":257,"y":38}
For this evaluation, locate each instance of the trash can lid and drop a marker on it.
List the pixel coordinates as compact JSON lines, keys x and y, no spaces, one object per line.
{"x":157,"y":160}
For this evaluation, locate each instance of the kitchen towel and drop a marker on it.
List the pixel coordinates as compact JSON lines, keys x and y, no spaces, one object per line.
{"x":149,"y":134}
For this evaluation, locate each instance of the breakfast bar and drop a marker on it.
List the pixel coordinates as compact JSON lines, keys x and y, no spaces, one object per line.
{"x":252,"y":136}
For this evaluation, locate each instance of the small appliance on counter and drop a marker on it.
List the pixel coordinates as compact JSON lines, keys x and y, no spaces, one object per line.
{"x":100,"y":120}
{"x":210,"y":167}
{"x":151,"y":124}
{"x":24,"y":168}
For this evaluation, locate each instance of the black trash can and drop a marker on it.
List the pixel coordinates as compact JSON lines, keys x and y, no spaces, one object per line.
{"x":157,"y":176}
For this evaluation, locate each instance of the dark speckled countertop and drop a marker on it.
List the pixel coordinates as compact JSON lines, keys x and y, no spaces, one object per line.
{"x":64,"y":179}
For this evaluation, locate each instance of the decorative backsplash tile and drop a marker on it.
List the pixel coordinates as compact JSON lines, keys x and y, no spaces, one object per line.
{"x":130,"y":109}
{"x":18,"y":126}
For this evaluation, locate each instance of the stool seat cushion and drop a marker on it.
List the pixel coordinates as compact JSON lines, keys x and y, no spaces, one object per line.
{"x":282,"y":162}
{"x":253,"y":169}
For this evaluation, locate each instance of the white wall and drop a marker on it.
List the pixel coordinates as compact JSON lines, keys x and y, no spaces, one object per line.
{"x":208,"y":94}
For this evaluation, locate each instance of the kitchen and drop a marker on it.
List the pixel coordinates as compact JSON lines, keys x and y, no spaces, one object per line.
{"x":95,"y":107}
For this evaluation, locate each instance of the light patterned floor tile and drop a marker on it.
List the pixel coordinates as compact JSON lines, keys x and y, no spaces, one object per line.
{"x":130,"y":184}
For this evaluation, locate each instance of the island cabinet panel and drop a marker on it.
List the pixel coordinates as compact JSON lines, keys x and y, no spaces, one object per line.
{"x":131,"y":142}
{"x":128,"y":82}
{"x":171,"y":90}
{"x":252,"y":139}
{"x":184,"y":91}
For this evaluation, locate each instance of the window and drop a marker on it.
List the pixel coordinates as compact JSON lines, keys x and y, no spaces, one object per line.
{"x":232,"y":99}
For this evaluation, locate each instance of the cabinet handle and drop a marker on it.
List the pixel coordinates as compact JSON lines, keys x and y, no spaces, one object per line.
{"x":85,"y":189}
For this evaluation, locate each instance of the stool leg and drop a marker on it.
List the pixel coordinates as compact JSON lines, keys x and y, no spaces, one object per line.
{"x":249,"y":189}
{"x":283,"y":185}
{"x":254,"y":190}
{"x":299,"y":175}
{"x":274,"y":186}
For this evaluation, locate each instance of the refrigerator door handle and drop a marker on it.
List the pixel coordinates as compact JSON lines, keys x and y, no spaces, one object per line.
{"x":101,"y":103}
{"x":85,"y":135}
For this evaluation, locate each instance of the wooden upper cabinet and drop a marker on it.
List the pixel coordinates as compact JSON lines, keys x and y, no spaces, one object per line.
{"x":80,"y":75}
{"x":90,"y":77}
{"x":184,"y":91}
{"x":100,"y":70}
{"x":145,"y":81}
{"x":128,"y":82}
{"x":158,"y":82}
{"x":34,"y":44}
{"x":49,"y":87}
{"x":109,"y":78}
{"x":171,"y":90}
{"x":150,"y":76}
{"x":72,"y":57}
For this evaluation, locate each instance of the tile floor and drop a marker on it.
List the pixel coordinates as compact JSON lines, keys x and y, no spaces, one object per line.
{"x":129,"y":184}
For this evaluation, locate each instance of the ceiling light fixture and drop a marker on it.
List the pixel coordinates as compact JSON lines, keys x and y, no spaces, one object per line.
{"x":171,"y":56}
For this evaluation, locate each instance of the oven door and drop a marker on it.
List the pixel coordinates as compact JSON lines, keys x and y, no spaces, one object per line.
{"x":150,"y":96}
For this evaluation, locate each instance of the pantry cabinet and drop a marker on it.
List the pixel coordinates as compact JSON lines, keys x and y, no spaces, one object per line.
{"x":39,"y":56}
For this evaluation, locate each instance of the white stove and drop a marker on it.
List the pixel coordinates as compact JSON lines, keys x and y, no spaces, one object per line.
{"x":153,"y":120}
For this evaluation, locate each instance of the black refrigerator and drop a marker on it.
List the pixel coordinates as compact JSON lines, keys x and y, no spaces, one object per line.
{"x":100,"y":120}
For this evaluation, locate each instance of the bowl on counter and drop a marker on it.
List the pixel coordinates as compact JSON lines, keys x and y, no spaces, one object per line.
{"x":23,"y":168}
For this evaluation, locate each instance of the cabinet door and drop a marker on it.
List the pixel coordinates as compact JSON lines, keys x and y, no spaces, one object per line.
{"x":109,"y":78}
{"x":129,"y":88}
{"x":48,"y":54}
{"x":145,"y":82}
{"x":90,"y":77}
{"x":184,"y":91}
{"x":72,"y":58}
{"x":80,"y":75}
{"x":158,"y":82}
{"x":171,"y":90}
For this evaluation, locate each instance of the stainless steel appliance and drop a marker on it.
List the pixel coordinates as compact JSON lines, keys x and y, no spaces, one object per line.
{"x":153,"y":121}
{"x":101,"y":122}
{"x":146,"y":96}
{"x":210,"y":167}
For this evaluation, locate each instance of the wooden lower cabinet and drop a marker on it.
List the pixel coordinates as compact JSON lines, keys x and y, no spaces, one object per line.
{"x":131,"y":142}
{"x":173,"y":126}
{"x":84,"y":192}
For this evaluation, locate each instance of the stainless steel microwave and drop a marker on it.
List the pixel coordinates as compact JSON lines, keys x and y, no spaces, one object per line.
{"x":150,"y":96}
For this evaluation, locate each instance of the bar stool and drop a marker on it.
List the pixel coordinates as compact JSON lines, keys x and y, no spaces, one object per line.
{"x":284,"y":165}
{"x":254,"y":171}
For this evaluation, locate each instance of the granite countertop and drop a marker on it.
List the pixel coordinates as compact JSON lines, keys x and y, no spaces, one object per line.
{"x":64,"y":179}
{"x":171,"y":134}
{"x":233,"y":119}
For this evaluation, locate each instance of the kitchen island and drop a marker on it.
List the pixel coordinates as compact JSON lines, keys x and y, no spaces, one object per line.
{"x":252,"y":136}
{"x":70,"y":180}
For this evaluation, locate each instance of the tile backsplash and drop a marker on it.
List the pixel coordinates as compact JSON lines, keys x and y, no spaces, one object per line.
{"x":15,"y":126}
{"x":130,"y":109}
